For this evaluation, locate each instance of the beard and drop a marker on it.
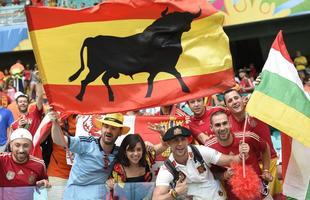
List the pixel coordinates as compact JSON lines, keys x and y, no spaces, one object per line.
{"x":21,"y":157}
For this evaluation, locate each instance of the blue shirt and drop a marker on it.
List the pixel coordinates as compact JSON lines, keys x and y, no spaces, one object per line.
{"x":6,"y":119}
{"x":89,"y":171}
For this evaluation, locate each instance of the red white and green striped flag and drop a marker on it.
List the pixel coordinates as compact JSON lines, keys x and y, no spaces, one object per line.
{"x":280,"y":101}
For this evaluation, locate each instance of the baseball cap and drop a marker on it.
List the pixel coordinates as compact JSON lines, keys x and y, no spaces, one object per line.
{"x":175,"y":132}
{"x":19,"y":94}
{"x":20,"y":133}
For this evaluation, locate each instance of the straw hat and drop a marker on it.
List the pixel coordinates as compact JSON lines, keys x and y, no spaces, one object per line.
{"x":113,"y":119}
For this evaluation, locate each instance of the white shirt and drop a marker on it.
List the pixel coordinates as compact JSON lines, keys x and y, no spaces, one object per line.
{"x":201,"y":186}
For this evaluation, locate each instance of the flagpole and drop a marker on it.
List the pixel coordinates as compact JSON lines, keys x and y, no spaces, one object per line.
{"x":243,"y":140}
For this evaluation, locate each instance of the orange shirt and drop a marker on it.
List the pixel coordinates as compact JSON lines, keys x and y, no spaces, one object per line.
{"x":58,"y":164}
{"x":14,"y":109}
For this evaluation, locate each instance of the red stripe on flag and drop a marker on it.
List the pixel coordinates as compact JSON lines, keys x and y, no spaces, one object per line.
{"x":41,"y":133}
{"x":279,"y":45}
{"x":95,"y":94}
{"x":286,"y":152}
{"x":110,"y":10}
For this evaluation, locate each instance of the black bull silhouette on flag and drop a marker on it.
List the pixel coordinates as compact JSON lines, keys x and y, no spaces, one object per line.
{"x":157,"y":49}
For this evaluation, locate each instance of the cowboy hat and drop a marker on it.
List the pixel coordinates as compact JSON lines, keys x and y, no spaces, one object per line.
{"x":113,"y":119}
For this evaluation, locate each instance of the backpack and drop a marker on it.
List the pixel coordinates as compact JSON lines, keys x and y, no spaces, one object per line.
{"x":176,"y":174}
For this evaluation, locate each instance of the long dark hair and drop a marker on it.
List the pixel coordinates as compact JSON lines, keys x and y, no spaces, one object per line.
{"x":129,"y":143}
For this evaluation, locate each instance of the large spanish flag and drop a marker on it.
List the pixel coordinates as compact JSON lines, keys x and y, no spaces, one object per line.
{"x":124,"y":55}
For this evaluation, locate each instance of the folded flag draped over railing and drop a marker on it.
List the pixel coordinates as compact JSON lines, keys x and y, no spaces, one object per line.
{"x":124,"y":55}
{"x":280,"y":101}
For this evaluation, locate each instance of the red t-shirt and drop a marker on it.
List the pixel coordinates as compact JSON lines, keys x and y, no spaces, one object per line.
{"x":256,"y":126}
{"x":17,"y":175}
{"x":257,"y":146}
{"x":34,"y":119}
{"x":201,"y":124}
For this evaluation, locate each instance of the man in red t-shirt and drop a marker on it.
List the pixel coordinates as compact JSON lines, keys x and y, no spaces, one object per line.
{"x":18,"y":168}
{"x":236,"y":107}
{"x":228,"y":143}
{"x":29,"y":120}
{"x":199,"y":123}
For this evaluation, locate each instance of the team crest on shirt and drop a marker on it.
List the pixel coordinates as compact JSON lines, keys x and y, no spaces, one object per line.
{"x":10,"y":175}
{"x":31,"y":178}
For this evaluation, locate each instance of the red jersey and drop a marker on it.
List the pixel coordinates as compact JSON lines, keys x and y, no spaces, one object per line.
{"x":201,"y":124}
{"x":34,"y":119}
{"x":256,"y":126}
{"x":257,"y":146}
{"x":18,"y":175}
{"x":244,"y":83}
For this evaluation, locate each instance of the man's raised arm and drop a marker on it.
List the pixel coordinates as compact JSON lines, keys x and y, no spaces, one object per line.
{"x":56,"y":131}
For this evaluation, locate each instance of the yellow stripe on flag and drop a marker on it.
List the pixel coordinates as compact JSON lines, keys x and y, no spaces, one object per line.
{"x":280,"y":115}
{"x":205,"y":49}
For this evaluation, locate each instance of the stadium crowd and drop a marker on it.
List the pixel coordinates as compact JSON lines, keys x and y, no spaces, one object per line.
{"x":86,"y":167}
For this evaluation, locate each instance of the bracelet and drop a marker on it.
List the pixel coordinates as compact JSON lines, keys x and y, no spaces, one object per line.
{"x":173,"y":193}
{"x":266,"y":170}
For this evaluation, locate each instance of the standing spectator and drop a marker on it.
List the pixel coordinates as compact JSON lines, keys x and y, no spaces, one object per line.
{"x":195,"y":179}
{"x":199,"y":123}
{"x":6,"y":118}
{"x":5,"y":100}
{"x":29,"y":120}
{"x":94,"y":158}
{"x":133,"y":164}
{"x":27,"y":78}
{"x":35,"y":79}
{"x":300,"y":61}
{"x":246,"y":85}
{"x":253,"y":72}
{"x":236,"y":106}
{"x":13,"y":106}
{"x":59,"y":169}
{"x":16,"y":72}
{"x":307,"y":83}
{"x":18,"y":168}
{"x":226,"y":142}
